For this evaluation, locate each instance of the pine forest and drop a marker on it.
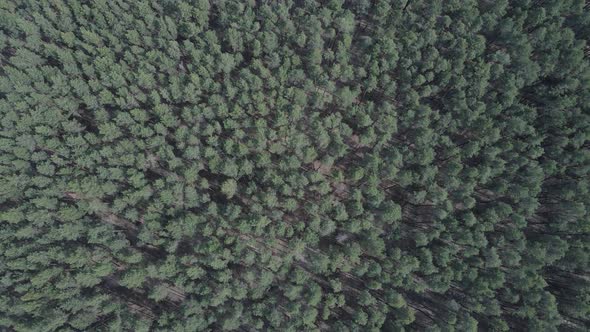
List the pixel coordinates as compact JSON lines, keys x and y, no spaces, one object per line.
{"x":294,"y":165}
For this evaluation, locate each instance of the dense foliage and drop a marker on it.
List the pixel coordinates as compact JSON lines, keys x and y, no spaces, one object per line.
{"x":294,"y":165}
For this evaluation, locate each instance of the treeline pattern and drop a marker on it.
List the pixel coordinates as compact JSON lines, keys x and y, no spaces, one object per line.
{"x":294,"y":165}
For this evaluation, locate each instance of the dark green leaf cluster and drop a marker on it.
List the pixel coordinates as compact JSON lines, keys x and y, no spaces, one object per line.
{"x":294,"y":165}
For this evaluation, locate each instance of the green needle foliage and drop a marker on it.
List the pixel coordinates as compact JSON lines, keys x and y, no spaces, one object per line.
{"x":294,"y":165}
